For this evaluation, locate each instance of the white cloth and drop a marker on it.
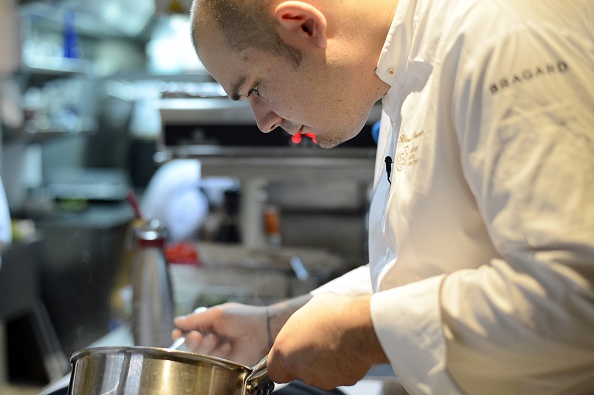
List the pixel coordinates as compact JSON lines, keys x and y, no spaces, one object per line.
{"x":173,"y":197}
{"x":482,"y":246}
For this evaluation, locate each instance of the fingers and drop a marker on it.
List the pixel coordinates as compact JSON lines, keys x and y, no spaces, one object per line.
{"x":192,"y":321}
{"x":201,"y":338}
{"x":276,"y":370}
{"x":184,"y":323}
{"x":176,"y":333}
{"x":208,"y":344}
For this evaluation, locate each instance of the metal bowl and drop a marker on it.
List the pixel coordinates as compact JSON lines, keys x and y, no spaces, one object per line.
{"x":159,"y":371}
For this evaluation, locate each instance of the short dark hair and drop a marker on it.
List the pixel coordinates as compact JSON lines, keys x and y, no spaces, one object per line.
{"x":245,"y":24}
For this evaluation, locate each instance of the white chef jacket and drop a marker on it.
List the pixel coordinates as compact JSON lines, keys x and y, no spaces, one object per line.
{"x":482,"y":242}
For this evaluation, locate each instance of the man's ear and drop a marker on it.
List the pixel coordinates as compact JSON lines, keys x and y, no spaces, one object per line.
{"x":298,"y":20}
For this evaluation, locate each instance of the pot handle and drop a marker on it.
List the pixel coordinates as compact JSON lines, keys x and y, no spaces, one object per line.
{"x":257,"y":382}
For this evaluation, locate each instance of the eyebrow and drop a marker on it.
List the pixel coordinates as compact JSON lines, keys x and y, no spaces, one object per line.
{"x":237,"y":87}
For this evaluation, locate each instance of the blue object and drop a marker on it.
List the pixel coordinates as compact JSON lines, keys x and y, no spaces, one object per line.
{"x":70,"y":37}
{"x":375,"y":129}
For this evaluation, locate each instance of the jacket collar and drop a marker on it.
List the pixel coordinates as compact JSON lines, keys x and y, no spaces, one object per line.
{"x":396,"y":49}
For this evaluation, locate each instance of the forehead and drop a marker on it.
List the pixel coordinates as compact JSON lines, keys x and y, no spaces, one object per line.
{"x":221,"y":61}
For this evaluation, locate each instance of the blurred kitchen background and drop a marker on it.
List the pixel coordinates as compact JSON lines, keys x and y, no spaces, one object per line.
{"x":100,"y":97}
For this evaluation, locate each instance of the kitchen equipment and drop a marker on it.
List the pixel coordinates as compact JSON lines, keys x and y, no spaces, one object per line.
{"x":211,"y":126}
{"x":328,"y":189}
{"x":152,"y":295}
{"x":158,"y":371}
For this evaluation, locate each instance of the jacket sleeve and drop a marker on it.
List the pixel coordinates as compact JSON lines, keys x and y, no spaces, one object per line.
{"x":355,"y":282}
{"x":525,"y":122}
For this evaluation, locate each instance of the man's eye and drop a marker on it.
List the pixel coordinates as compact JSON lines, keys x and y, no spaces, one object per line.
{"x":254,"y":91}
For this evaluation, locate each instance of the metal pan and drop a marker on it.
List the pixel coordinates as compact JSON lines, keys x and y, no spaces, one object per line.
{"x":160,"y":371}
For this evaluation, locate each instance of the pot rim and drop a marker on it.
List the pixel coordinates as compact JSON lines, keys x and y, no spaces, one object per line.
{"x":159,"y":353}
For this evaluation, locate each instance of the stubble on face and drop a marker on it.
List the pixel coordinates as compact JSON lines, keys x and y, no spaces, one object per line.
{"x":328,"y":142}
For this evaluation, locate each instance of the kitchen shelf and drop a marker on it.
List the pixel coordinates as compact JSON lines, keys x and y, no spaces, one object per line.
{"x":50,"y":65}
{"x":46,"y":134}
{"x":105,"y":19}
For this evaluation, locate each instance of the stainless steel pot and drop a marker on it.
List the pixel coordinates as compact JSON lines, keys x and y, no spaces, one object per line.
{"x":159,"y":371}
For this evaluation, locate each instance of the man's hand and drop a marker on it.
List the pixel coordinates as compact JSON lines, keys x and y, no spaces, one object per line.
{"x":232,"y":331}
{"x":237,"y":332}
{"x":327,"y":343}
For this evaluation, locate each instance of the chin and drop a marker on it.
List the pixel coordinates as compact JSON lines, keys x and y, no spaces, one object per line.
{"x":328,"y":143}
{"x":334,"y":141}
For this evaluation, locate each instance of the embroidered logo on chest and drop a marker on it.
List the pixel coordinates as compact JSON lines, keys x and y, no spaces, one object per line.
{"x":407,"y":152}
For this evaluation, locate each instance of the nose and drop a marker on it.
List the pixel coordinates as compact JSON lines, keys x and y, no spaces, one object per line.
{"x":266,"y":119}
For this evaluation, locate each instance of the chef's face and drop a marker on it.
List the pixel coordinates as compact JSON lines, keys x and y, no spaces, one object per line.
{"x":312,"y":97}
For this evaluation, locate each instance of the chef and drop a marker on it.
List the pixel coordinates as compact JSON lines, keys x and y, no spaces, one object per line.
{"x":481,"y":244}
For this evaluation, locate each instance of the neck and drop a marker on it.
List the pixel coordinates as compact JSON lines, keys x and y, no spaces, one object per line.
{"x":389,"y":10}
{"x":375,"y":17}
{"x":372,"y":31}
{"x":357,"y":31}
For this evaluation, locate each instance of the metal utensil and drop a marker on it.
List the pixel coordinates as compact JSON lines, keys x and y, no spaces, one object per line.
{"x":177,"y":343}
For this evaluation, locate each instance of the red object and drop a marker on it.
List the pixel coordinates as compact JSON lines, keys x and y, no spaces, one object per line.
{"x":182,"y":252}
{"x":151,"y":243}
{"x":296,"y":138}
